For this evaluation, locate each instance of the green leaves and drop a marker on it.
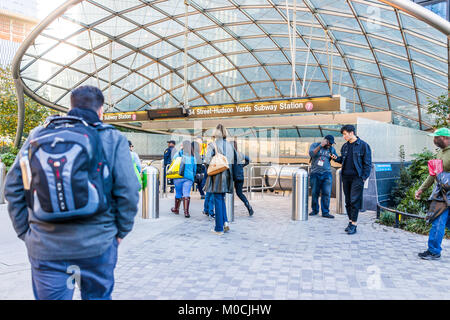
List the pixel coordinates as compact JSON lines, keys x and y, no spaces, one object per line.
{"x":441,"y":110}
{"x":35,"y":113}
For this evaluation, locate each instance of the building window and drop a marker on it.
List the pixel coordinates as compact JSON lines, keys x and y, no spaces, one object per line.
{"x":440,"y":8}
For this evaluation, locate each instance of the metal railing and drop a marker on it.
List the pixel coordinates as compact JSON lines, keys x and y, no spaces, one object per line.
{"x":398,"y":214}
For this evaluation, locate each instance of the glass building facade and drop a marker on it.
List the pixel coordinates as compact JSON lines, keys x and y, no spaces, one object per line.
{"x":379,"y":57}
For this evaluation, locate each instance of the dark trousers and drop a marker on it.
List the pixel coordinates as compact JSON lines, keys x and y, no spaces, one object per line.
{"x":321,"y":183}
{"x":238,"y":187}
{"x":169,"y":182}
{"x":56,"y":280}
{"x":353,"y":190}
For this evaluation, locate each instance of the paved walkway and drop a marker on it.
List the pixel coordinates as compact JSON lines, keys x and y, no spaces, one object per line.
{"x":263,"y":257}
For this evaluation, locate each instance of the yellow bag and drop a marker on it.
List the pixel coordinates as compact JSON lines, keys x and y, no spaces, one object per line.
{"x":219,"y":163}
{"x":174,"y":169}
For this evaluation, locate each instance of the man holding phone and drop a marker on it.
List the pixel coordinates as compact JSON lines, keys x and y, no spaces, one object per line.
{"x":320,"y":177}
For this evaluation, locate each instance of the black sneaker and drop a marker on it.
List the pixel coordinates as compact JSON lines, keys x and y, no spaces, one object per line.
{"x":348,"y":227}
{"x":427,"y":255}
{"x":313,"y":213}
{"x":327,"y":216}
{"x":351,"y":229}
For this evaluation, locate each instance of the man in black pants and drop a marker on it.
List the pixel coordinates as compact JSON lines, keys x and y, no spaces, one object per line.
{"x":356,"y":160}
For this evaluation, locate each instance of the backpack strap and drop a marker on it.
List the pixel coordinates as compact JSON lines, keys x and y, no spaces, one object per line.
{"x":52,"y":119}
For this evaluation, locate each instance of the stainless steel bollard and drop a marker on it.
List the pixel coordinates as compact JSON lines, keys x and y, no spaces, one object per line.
{"x":300,"y":195}
{"x":340,"y":200}
{"x":150,"y":193}
{"x":2,"y":182}
{"x":229,"y":204}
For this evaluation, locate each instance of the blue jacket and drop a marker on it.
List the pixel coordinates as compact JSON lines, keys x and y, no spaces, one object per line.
{"x":190,"y":165}
{"x":84,"y":238}
{"x":238,"y":172}
{"x":168,"y":155}
{"x":362,"y":157}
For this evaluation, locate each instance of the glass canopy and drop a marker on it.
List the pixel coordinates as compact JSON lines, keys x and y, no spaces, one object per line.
{"x":378,"y":57}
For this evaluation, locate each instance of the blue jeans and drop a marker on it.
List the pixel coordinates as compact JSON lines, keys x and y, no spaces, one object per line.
{"x":55,"y":280}
{"x":221,"y":211}
{"x":208,"y":206}
{"x":321,"y":182}
{"x":182,"y":187}
{"x":437,"y":232}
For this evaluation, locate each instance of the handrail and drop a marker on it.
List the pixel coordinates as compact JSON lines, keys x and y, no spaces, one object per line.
{"x":397,"y":214}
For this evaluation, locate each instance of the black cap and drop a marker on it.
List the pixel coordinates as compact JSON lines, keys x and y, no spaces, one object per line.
{"x":171,"y":141}
{"x":129,"y":143}
{"x":330,"y":139}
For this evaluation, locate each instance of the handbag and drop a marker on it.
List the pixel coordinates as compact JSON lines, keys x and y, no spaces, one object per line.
{"x":438,"y":205}
{"x":218,"y":164}
{"x":176,"y":169}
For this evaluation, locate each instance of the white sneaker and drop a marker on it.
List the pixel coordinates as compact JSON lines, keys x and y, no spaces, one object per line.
{"x":219,"y":233}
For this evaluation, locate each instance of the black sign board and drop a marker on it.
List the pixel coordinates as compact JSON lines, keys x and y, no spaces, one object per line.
{"x":166,"y":113}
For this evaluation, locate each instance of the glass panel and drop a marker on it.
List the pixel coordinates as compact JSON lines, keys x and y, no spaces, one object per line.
{"x":134,"y":61}
{"x":140,"y":38}
{"x":207,"y":84}
{"x":343,"y":22}
{"x":62,"y":28}
{"x":155,"y":71}
{"x":130,"y":103}
{"x":87,"y":65}
{"x":144,"y":15}
{"x":397,"y":49}
{"x":430,"y":88}
{"x":440,"y":51}
{"x":404,"y":122}
{"x":116,"y":26}
{"x":404,"y":77}
{"x":358,"y":52}
{"x":243,"y":59}
{"x":260,"y":43}
{"x":229,"y":16}
{"x":67,"y":78}
{"x":83,"y":40}
{"x":265,"y":89}
{"x":229,"y":46}
{"x":203,"y":52}
{"x":404,"y":108}
{"x":219,"y":97}
{"x":425,"y":59}
{"x":271,"y":57}
{"x":245,"y":30}
{"x":368,"y":82}
{"x":332,"y":5}
{"x":357,"y":38}
{"x":230,"y":78}
{"x":255,"y":74}
{"x":427,"y":73}
{"x":242,"y":93}
{"x":219,"y":64}
{"x":317,"y":89}
{"x":40,"y":70}
{"x":86,"y":13}
{"x":401,"y":91}
{"x":374,"y":99}
{"x":414,"y":24}
{"x":374,"y":15}
{"x":160,"y":49}
{"x":63,"y":54}
{"x":199,"y":20}
{"x":364,"y":66}
{"x":117,"y":72}
{"x":132,"y":82}
{"x":393,"y":60}
{"x":263,"y":13}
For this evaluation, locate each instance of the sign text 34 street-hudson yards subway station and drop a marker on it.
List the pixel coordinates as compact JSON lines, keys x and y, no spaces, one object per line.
{"x":302,"y":105}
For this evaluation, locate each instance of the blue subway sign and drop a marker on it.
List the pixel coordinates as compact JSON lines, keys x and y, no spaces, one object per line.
{"x":383,"y":167}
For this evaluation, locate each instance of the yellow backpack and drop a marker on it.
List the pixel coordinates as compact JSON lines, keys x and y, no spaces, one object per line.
{"x":176,"y":169}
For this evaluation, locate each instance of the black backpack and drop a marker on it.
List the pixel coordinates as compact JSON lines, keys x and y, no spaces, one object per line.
{"x":70,"y":176}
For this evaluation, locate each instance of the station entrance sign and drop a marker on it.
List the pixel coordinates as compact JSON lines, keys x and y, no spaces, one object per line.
{"x":258,"y":108}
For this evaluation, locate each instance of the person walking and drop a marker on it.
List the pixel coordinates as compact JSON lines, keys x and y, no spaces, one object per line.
{"x":437,"y":232}
{"x":356,"y":160}
{"x":183,"y":185}
{"x":242,"y":161}
{"x":201,"y":171}
{"x":220,"y":183}
{"x":320,"y":176}
{"x":57,"y":181}
{"x":168,"y":157}
{"x":135,"y":157}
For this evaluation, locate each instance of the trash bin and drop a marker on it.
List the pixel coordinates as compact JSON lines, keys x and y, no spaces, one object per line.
{"x":300,"y":195}
{"x":150,"y":193}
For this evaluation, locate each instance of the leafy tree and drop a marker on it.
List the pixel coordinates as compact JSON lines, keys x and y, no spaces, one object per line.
{"x":35,"y":113}
{"x":441,"y":110}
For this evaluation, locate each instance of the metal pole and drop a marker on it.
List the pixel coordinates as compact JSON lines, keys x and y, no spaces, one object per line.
{"x":2,"y":182}
{"x":150,"y":193}
{"x":340,"y":201}
{"x":229,"y":204}
{"x":300,"y":195}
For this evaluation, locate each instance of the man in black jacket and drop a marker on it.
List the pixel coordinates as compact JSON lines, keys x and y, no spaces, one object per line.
{"x":356,"y":160}
{"x":168,"y":157}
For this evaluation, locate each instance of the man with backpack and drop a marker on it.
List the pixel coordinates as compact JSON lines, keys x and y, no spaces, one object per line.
{"x":440,"y":222}
{"x":72,"y":197}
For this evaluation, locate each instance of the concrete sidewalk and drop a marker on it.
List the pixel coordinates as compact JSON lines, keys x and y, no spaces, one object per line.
{"x":266,"y":256}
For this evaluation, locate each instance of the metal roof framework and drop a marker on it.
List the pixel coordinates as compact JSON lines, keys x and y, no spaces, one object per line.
{"x":387,"y":55}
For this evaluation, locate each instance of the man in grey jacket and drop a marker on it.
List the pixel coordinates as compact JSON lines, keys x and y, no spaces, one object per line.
{"x":82,"y":251}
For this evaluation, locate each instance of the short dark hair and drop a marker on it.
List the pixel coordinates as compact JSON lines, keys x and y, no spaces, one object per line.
{"x":349,"y":128}
{"x":87,"y":97}
{"x":130,"y":144}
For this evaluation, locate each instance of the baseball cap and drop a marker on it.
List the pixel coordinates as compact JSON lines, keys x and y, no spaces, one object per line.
{"x":442,"y":132}
{"x":171,"y":141}
{"x":330,"y":138}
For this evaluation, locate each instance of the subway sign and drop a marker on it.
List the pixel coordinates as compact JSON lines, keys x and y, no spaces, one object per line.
{"x":257,"y":108}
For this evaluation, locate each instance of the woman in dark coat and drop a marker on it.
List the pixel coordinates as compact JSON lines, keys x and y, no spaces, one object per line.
{"x":242,"y":161}
{"x":221,"y":183}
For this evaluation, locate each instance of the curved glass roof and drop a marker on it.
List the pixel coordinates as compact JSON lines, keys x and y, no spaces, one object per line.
{"x":378,"y":57}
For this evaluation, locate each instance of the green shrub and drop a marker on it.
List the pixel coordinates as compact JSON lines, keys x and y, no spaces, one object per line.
{"x":387,"y":218}
{"x":8,"y":158}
